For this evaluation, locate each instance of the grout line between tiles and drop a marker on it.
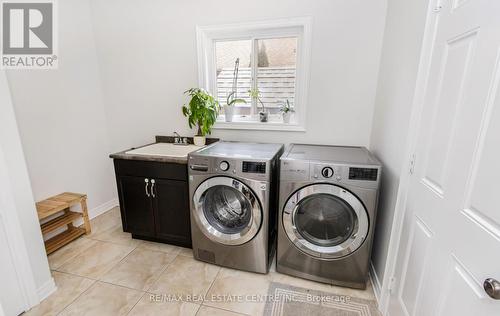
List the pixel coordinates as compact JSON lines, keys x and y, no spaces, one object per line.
{"x":158,"y":251}
{"x":77,"y":275}
{"x":198,"y":309}
{"x":116,"y":243}
{"x":211,"y":284}
{"x":100,"y":278}
{"x":102,"y":274}
{"x":98,"y":281}
{"x":72,"y":257}
{"x":116,"y":264}
{"x":175,"y":251}
{"x":225,"y":309}
{"x":140,"y":298}
{"x":123,"y":286}
{"x":78,"y":296}
{"x":159,"y":276}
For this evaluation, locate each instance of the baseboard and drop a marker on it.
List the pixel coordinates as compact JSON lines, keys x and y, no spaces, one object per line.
{"x":103,"y":208}
{"x":377,"y":288}
{"x":46,"y":289}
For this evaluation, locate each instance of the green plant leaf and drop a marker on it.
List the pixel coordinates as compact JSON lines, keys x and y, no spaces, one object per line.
{"x":234,"y":101}
{"x":201,"y":111}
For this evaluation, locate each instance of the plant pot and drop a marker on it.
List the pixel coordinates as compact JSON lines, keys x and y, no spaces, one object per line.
{"x":263,"y":116}
{"x":286,"y":117}
{"x":199,"y":140}
{"x":228,"y":113}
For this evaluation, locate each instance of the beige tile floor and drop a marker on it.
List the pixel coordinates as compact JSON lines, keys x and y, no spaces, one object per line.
{"x":109,"y":273}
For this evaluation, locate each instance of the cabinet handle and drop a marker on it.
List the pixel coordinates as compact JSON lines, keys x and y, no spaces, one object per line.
{"x":146,"y":188}
{"x":153,"y":188}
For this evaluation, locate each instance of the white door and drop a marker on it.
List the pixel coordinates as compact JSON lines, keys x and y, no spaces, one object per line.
{"x":450,"y":242}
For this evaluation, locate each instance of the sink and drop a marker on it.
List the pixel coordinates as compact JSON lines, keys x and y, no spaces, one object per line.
{"x":165,"y":150}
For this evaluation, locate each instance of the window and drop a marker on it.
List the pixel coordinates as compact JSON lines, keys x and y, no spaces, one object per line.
{"x":258,"y":68}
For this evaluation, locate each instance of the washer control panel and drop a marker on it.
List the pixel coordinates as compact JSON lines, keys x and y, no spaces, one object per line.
{"x":248,"y":169}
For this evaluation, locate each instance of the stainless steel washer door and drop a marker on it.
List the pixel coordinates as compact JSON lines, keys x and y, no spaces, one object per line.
{"x":325,"y":221}
{"x":226,"y":211}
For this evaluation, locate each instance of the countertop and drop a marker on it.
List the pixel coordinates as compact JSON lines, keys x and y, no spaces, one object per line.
{"x":159,"y":139}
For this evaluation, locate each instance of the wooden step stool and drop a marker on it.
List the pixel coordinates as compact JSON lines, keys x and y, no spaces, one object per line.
{"x":62,"y":203}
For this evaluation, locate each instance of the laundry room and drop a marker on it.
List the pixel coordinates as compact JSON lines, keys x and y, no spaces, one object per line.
{"x":221,"y":157}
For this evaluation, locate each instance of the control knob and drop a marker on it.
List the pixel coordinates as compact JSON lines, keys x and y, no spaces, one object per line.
{"x":224,"y":165}
{"x":327,"y":172}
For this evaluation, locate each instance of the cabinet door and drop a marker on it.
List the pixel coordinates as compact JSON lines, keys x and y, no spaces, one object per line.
{"x":136,"y":206}
{"x":171,"y":205}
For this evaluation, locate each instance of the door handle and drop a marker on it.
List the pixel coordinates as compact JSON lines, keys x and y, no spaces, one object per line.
{"x":492,"y":288}
{"x":153,"y":187}
{"x":146,"y":188}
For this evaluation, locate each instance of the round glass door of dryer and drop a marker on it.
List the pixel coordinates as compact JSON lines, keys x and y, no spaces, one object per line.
{"x":227,"y":211}
{"x":325,"y":221}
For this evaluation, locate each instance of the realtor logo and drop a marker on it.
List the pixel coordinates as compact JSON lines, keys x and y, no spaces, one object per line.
{"x":28,"y":35}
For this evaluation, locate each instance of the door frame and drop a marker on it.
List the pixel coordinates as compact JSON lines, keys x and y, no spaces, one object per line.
{"x":424,"y":67}
{"x":15,"y":241}
{"x":13,"y":230}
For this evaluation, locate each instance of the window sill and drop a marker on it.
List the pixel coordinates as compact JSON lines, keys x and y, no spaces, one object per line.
{"x":269,"y":126}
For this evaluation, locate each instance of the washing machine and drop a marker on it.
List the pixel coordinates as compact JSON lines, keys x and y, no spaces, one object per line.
{"x":328,"y":201}
{"x":234,"y":204}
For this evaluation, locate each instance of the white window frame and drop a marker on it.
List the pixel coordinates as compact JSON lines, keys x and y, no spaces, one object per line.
{"x":299,"y":27}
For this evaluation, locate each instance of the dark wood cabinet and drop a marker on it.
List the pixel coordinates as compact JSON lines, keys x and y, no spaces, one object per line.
{"x":135,"y":206}
{"x":154,"y":200}
{"x":171,"y":196}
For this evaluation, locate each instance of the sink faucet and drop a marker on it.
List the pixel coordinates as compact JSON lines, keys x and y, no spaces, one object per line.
{"x":177,"y":137}
{"x":178,"y":140}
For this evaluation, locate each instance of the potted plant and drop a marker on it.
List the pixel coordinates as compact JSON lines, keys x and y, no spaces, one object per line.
{"x":202,"y":111}
{"x":229,"y":106}
{"x":232,"y":98}
{"x":286,"y":110}
{"x":255,"y":95}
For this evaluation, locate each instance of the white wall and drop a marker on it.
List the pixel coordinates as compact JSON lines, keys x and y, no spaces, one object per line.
{"x":61,"y":115}
{"x":147,"y":57}
{"x":18,"y":211}
{"x":396,"y":84}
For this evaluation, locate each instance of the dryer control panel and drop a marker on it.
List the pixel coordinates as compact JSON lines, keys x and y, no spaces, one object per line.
{"x":368,"y":174}
{"x":299,"y":171}
{"x":326,"y":172}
